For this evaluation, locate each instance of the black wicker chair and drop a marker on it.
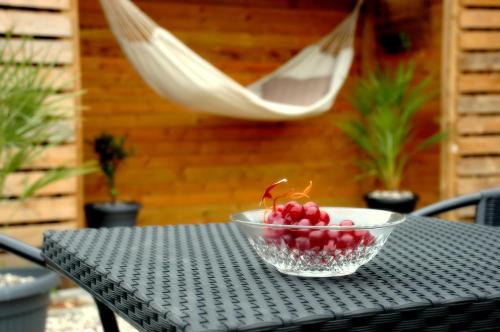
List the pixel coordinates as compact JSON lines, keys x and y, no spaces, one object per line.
{"x":487,"y":206}
{"x":34,"y":255}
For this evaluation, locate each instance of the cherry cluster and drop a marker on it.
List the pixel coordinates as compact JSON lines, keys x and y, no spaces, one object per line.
{"x":309,"y":214}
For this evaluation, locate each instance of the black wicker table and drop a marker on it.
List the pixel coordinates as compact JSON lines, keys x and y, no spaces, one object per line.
{"x":431,"y":275}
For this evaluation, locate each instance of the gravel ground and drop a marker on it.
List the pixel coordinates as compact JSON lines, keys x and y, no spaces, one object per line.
{"x":8,"y":279}
{"x":74,"y":310}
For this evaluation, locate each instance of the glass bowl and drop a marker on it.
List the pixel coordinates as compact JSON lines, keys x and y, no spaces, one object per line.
{"x":320,"y":251}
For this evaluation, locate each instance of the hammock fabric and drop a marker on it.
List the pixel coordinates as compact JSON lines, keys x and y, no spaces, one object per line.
{"x":304,"y":86}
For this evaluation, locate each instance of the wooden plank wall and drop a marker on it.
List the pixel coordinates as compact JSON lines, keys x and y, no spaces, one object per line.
{"x":52,"y":24}
{"x":189,"y":167}
{"x":472,"y":102}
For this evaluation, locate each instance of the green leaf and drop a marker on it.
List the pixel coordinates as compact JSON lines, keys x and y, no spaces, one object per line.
{"x":54,"y":175}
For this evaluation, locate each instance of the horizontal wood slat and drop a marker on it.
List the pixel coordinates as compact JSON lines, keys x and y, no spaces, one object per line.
{"x":479,"y":40}
{"x":11,"y":260}
{"x":480,"y":61}
{"x":17,"y":182}
{"x":479,"y":124}
{"x":479,"y":104}
{"x":466,"y":213}
{"x":479,"y":166}
{"x":64,"y":155}
{"x":474,"y":184}
{"x":479,"y":82}
{"x":479,"y":145}
{"x":40,"y":51}
{"x":480,"y":18}
{"x":33,"y":234}
{"x":481,"y":3}
{"x":38,"y":209}
{"x":62,"y":78}
{"x":35,"y":23}
{"x":204,"y":16}
{"x":37,"y":4}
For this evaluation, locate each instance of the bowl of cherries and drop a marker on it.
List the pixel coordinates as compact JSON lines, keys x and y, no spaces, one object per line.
{"x":304,"y":239}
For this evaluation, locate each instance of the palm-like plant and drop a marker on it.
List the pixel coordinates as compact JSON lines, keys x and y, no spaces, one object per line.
{"x":387,"y":101}
{"x":30,"y":116}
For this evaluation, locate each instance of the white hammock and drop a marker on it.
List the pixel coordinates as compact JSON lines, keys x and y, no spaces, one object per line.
{"x":306,"y":85}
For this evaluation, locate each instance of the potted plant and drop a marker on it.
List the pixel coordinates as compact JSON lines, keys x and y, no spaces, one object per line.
{"x":111,"y":153}
{"x":30,"y":119}
{"x":384,"y":131}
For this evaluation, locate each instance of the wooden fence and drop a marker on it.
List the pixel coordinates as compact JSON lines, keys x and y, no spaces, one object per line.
{"x":53,"y":26}
{"x":471,"y":96}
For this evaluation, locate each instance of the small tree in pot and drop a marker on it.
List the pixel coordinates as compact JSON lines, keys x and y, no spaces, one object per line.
{"x":111,"y":153}
{"x":387,"y":101}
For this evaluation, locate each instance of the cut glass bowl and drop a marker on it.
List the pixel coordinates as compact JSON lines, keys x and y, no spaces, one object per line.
{"x":333,"y":251}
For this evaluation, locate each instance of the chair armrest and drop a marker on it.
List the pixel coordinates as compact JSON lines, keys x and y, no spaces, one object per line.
{"x":22,"y":249}
{"x":447,"y":205}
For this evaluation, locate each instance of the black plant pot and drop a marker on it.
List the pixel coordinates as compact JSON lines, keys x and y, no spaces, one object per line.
{"x":23,"y":307}
{"x":119,"y":214}
{"x":404,"y":204}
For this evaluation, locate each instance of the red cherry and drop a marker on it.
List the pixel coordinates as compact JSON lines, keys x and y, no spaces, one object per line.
{"x":309,"y":204}
{"x":318,"y":238}
{"x":369,"y":239}
{"x":303,"y":231}
{"x":271,"y":216}
{"x":289,"y":220}
{"x":289,"y":240}
{"x":333,"y":235}
{"x":321,"y":223}
{"x":294,"y":209}
{"x":312,"y":213}
{"x":359,"y":235}
{"x":346,"y":241}
{"x":280,"y":208}
{"x":302,"y":243}
{"x":324,"y":217}
{"x":346,"y":223}
{"x":267,"y":233}
{"x":330,"y":246}
{"x":279,"y":231}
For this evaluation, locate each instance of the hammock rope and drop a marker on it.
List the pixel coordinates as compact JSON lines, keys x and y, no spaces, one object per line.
{"x":306,"y":85}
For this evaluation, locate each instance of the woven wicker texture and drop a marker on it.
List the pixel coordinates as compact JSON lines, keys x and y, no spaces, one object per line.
{"x":431,"y":275}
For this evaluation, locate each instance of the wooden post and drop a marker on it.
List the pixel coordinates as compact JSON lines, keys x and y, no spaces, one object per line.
{"x":449,"y":97}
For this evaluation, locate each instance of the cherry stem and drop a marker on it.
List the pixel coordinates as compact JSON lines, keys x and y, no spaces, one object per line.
{"x":292,"y":194}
